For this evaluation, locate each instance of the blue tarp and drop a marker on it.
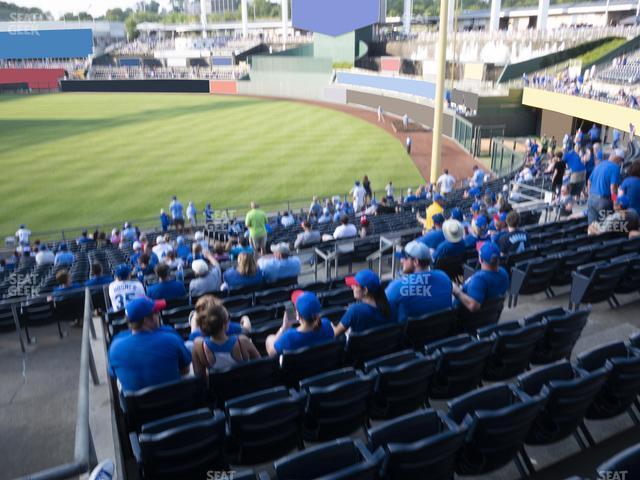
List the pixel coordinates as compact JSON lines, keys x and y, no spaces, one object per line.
{"x":409,"y":86}
{"x":22,"y":42}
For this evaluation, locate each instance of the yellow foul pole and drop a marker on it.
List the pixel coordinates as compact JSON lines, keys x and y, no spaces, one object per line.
{"x":439,"y":100}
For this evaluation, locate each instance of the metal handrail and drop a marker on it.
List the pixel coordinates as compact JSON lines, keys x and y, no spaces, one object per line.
{"x":84,"y":457}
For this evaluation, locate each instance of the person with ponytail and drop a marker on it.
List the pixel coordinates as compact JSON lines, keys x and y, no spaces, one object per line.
{"x":216,"y":350}
{"x":372,"y":308}
{"x":313,"y":330}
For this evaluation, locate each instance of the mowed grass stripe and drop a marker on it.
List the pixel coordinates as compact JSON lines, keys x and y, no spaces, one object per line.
{"x":76,"y":159}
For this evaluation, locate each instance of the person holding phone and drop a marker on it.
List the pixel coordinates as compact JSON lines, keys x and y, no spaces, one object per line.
{"x":313,"y":330}
{"x":372,"y":309}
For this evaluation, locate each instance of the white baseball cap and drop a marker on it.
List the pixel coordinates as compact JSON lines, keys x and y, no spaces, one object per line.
{"x":199,"y":267}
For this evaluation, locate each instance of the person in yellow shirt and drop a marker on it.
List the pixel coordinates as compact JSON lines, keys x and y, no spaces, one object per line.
{"x":433,"y":209}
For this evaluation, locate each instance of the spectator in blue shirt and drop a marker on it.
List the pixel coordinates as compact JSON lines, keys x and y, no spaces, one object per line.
{"x":177,"y":213}
{"x":372,"y":308}
{"x":630,"y":187}
{"x":242,"y":247}
{"x":137,"y":251}
{"x":129,"y":233}
{"x":578,"y":170}
{"x":83,"y":238}
{"x":279,"y":266}
{"x":410,"y":196}
{"x":420,"y":290}
{"x":489,"y":282}
{"x":602,"y":187}
{"x":63,"y":257}
{"x":594,"y":133}
{"x":246,"y":274}
{"x":514,"y":240}
{"x":147,"y":354}
{"x":478,"y":234}
{"x":477,"y":178}
{"x":313,"y":329}
{"x":182,"y":249}
{"x":208,"y":213}
{"x":453,"y":245}
{"x":63,"y":279}
{"x":166,"y":288}
{"x":164,"y":220}
{"x":434,"y":237}
{"x":97,"y":277}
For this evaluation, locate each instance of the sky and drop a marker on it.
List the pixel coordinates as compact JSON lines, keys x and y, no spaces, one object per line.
{"x":94,"y":7}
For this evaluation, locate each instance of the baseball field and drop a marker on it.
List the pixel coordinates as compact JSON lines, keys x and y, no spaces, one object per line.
{"x":84,"y":159}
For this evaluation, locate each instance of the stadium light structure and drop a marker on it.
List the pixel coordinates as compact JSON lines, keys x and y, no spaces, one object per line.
{"x":494,"y":20}
{"x":285,"y":21}
{"x":543,"y":14}
{"x":441,"y":59}
{"x":406,"y":16}
{"x":245,"y":18}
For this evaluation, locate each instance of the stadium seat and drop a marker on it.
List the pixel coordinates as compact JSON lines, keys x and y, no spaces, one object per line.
{"x":569,"y":261}
{"x":635,"y":340}
{"x":337,"y":404}
{"x":7,"y":322}
{"x":596,"y":282}
{"x":296,"y":365}
{"x":337,"y":298}
{"x":422,"y":444}
{"x":238,"y":302}
{"x":562,"y":331}
{"x":177,"y":302}
{"x":630,"y":281}
{"x":272,"y":295}
{"x":431,"y":327}
{"x":497,"y":420}
{"x":489,"y":314}
{"x":160,"y":401}
{"x":343,"y":459}
{"x":373,"y":343}
{"x":512,"y":349}
{"x":452,"y":266}
{"x":187,"y":445}
{"x":264,"y":425}
{"x":627,"y":461}
{"x":532,"y":276}
{"x":567,"y":392}
{"x":401,"y":383}
{"x":38,"y":312}
{"x":333,"y":314}
{"x":622,"y":366}
{"x":460,"y":365}
{"x":242,"y":379}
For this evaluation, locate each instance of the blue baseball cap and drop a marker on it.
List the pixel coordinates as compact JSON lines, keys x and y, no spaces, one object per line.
{"x":438,"y":218}
{"x":489,"y":252}
{"x":140,"y":308}
{"x":306,"y":303}
{"x":437,"y":197}
{"x":475,"y":192}
{"x":481,"y":221}
{"x":63,"y":247}
{"x":123,"y":271}
{"x":623,"y":201}
{"x":456,"y":214}
{"x":365,"y":279}
{"x":475,"y":207}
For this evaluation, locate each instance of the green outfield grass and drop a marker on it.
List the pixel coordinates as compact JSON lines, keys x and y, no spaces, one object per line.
{"x":86,"y":159}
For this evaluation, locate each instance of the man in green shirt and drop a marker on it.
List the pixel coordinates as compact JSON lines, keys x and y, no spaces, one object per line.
{"x":256,"y":221}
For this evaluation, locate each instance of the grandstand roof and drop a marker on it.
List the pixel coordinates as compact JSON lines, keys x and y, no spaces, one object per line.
{"x":99,"y":28}
{"x":197,"y":27}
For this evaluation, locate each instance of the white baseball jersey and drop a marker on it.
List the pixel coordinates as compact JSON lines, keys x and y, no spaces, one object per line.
{"x":446,"y":183}
{"x":122,"y":292}
{"x":23,"y":236}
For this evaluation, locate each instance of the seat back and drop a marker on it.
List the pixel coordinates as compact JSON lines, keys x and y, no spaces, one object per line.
{"x":512,"y":351}
{"x":337,"y":403}
{"x":498,"y":418}
{"x":431,"y":327}
{"x":401,"y":383}
{"x":489,"y":314}
{"x":568,"y":393}
{"x":189,"y":450}
{"x":273,"y":295}
{"x":627,"y":461}
{"x":604,"y":281}
{"x":344,"y":459}
{"x":539,"y":273}
{"x":562,"y":333}
{"x":372,"y":343}
{"x":337,"y":298}
{"x":452,"y":266}
{"x":164,"y":400}
{"x":460,"y":365}
{"x":38,"y":312}
{"x":242,"y":379}
{"x":423,"y":444}
{"x":263,"y":426}
{"x":622,"y":365}
{"x":306,"y":362}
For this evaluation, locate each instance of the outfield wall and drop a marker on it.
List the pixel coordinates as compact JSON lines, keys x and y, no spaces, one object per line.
{"x":35,"y":78}
{"x":165,"y":86}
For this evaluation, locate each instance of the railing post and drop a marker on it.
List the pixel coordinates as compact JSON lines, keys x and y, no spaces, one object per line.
{"x":18,"y":329}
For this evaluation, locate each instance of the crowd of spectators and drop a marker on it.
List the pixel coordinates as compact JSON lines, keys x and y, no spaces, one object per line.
{"x":151,"y":72}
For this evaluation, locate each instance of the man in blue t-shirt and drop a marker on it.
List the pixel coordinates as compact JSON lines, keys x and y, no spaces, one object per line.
{"x":147,"y":354}
{"x":313,"y":330}
{"x":166,"y":288}
{"x":514,"y":240}
{"x":453,"y":245}
{"x":578,"y":170}
{"x":630,"y":187}
{"x":602,"y":187}
{"x":489,"y":282}
{"x":594,"y":133}
{"x":177,"y":213}
{"x":434,"y":237}
{"x":64,"y":256}
{"x":97,"y":278}
{"x":420,"y":290}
